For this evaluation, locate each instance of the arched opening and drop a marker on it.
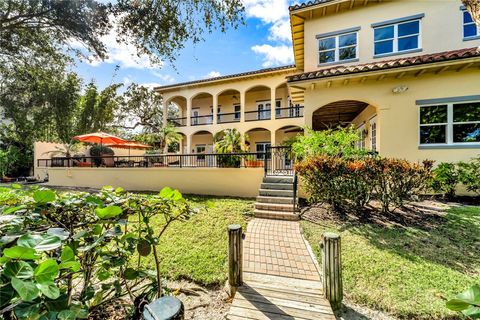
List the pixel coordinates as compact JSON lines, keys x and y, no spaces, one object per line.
{"x":228,"y":109}
{"x":259,"y":140}
{"x":258,"y":103}
{"x":358,"y":114}
{"x":177,"y":111}
{"x":283,"y":106}
{"x":202,"y":142}
{"x":285,"y":136}
{"x":202,"y":109}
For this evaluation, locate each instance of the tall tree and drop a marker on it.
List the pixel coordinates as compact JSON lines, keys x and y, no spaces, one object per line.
{"x":156,"y":28}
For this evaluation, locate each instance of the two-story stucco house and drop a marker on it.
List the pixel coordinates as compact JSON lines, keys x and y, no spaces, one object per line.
{"x":405,"y":73}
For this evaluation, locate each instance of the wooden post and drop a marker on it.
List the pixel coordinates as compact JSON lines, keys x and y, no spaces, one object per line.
{"x":332,"y":269}
{"x":235,"y":258}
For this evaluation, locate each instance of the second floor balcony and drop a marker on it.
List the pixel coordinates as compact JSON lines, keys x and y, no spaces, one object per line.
{"x":233,"y":106}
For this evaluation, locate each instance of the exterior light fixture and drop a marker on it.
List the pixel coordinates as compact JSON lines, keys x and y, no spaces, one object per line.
{"x":400,"y":89}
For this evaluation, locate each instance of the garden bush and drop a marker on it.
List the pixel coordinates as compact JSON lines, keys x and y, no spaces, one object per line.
{"x":343,"y":182}
{"x":332,"y":142}
{"x":62,"y":255}
{"x":97,"y":151}
{"x":447,"y":176}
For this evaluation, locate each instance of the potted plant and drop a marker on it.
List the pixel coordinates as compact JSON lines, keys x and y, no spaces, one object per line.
{"x":251,"y":162}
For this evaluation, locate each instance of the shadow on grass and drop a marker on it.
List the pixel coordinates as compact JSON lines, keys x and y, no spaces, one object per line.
{"x":452,"y":241}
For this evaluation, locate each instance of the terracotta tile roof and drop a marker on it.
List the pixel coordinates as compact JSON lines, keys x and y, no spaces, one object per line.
{"x":248,"y":73}
{"x":387,"y":64}
{"x":307,"y":4}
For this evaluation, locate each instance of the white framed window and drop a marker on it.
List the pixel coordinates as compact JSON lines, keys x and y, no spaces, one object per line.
{"x":363,"y":136}
{"x":338,"y":48}
{"x":199,"y":149}
{"x":397,"y":37}
{"x":236,"y":110}
{"x":195,"y":115}
{"x":278,"y":107}
{"x":450,"y":124}
{"x":373,"y":133}
{"x":263,"y":110}
{"x":262,"y":147}
{"x":470,"y":29}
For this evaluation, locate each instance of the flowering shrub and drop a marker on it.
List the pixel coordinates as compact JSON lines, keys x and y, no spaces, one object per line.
{"x":352,"y":182}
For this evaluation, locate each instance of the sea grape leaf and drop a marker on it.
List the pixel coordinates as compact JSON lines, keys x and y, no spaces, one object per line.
{"x":46,"y":271}
{"x":27,"y":290}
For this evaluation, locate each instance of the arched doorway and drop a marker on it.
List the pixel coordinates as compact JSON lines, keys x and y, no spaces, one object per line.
{"x":228,"y":109}
{"x":177,"y":107}
{"x":361,"y":115}
{"x":258,"y":103}
{"x":202,"y":109}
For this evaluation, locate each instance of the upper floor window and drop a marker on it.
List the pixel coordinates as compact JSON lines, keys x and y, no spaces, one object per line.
{"x":337,"y":48}
{"x":470,"y":29}
{"x":397,"y":36}
{"x":450,"y":123}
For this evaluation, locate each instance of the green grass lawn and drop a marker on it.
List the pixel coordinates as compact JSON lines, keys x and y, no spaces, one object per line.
{"x":403,"y":270}
{"x":197,"y":249}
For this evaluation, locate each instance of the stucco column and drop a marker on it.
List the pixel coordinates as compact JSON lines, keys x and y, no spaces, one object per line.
{"x":273,"y":138}
{"x":215,"y":108}
{"x":189,"y":143}
{"x":272,"y":103}
{"x":189,"y":112}
{"x":242,"y":106}
{"x":165,"y":112}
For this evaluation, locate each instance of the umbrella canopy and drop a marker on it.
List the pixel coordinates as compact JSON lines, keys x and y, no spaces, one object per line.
{"x":100,"y":138}
{"x":129,"y":145}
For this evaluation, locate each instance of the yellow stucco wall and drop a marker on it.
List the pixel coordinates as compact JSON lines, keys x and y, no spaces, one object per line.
{"x":398,"y":113}
{"x":243,"y":182}
{"x":441,"y":28}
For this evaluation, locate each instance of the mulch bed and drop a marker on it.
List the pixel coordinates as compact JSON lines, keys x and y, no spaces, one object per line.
{"x":424,"y":214}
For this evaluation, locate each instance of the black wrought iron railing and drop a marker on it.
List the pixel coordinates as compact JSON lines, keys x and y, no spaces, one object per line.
{"x":178,"y":122}
{"x":290,"y":112}
{"x":201,"y":120}
{"x":228,"y":117}
{"x":258,"y":115}
{"x":196,"y":160}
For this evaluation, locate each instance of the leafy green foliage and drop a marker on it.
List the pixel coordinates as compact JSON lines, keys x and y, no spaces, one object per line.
{"x":448,"y":176}
{"x":468,"y":302}
{"x":55,"y":247}
{"x":344,"y":182}
{"x":332,"y":142}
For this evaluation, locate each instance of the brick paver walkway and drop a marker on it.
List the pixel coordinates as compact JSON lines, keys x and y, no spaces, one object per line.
{"x":276,"y":247}
{"x":281,"y":281}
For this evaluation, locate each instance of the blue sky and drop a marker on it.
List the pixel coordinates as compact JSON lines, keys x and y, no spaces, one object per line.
{"x":263,"y":42}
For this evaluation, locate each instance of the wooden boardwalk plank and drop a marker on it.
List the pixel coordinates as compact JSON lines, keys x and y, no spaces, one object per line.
{"x":272,"y":296}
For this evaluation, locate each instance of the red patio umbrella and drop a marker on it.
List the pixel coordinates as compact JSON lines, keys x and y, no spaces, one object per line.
{"x":129,"y":145}
{"x":100,"y":138}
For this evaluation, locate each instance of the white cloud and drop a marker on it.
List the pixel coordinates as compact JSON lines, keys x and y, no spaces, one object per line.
{"x":274,"y":55}
{"x":280,"y":31}
{"x":212,"y":74}
{"x":269,"y":11}
{"x":166,"y":78}
{"x":123,"y":54}
{"x":274,"y":13}
{"x":150,"y":85}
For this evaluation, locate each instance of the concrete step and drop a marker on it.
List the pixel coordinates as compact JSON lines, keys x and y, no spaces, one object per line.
{"x":277,"y":200}
{"x":279,"y":215}
{"x":274,"y":207}
{"x":278,"y":179}
{"x":277,"y":186}
{"x":275,"y":193}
